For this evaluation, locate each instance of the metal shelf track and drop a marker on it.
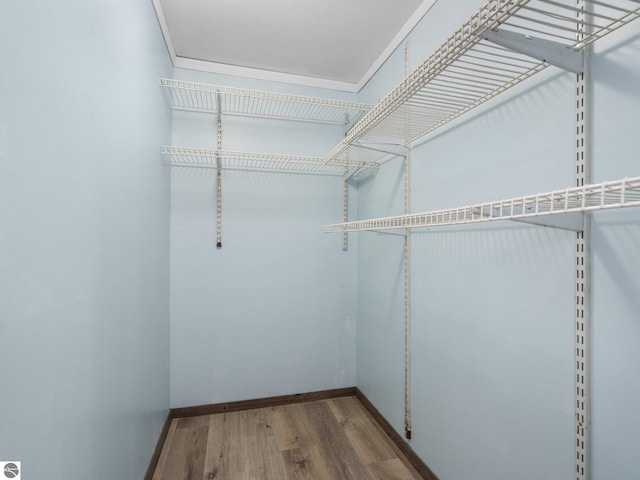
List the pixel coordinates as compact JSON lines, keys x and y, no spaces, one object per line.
{"x":600,"y":196}
{"x":202,"y":97}
{"x":467,"y":70}
{"x":198,"y":157}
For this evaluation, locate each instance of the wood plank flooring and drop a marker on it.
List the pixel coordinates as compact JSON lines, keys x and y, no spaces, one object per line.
{"x":335,"y":439}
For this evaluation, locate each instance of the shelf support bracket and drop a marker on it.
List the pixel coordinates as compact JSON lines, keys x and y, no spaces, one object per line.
{"x":355,"y":170}
{"x":564,"y":221}
{"x":547,"y":51}
{"x":393,"y":233}
{"x":390,"y":148}
{"x":572,"y":221}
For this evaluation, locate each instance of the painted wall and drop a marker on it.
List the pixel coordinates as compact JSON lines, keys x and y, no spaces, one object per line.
{"x":492,"y":341}
{"x":84,"y":238}
{"x":273,"y":311}
{"x":616,"y":260}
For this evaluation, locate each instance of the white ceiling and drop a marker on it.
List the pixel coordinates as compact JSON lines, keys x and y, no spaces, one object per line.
{"x":327,"y":43}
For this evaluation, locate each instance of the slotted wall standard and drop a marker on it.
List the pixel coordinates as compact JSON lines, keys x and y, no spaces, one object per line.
{"x":583,"y":257}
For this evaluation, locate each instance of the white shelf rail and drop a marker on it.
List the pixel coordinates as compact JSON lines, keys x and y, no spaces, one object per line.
{"x":467,"y":70}
{"x":202,"y":97}
{"x":206,"y":158}
{"x":600,"y":196}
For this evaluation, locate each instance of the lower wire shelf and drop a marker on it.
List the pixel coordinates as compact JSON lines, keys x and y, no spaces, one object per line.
{"x":205,"y":158}
{"x":562,"y":205}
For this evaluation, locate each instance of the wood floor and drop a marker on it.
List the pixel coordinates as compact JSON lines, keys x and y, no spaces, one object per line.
{"x":334,"y":439}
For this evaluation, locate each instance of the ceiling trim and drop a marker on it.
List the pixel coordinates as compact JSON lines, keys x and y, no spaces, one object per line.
{"x":260,"y":74}
{"x":164,"y":28}
{"x":269,"y":75}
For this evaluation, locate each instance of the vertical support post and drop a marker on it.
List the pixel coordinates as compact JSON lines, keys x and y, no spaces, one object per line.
{"x":345,"y":210}
{"x":583,"y":261}
{"x":407,"y":304}
{"x":219,"y":177}
{"x":407,"y":271}
{"x":345,"y":190}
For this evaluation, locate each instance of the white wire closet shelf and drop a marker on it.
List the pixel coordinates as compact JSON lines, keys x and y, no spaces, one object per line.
{"x":600,"y":196}
{"x":469,"y":69}
{"x":205,"y":158}
{"x":204,"y":97}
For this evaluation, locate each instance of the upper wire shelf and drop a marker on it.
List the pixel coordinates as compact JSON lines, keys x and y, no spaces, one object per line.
{"x":199,"y":157}
{"x":599,"y":196}
{"x":204,"y":97}
{"x":467,"y":70}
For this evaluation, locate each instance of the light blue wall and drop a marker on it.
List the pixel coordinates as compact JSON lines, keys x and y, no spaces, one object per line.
{"x":273,"y":311}
{"x":492,"y":305}
{"x":380,"y":330}
{"x":492,"y":344}
{"x":616,"y":260}
{"x":84,"y":238}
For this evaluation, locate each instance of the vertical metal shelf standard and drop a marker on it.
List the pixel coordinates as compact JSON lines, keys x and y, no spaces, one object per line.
{"x":219,"y":177}
{"x":407,"y":271}
{"x":583,"y":253}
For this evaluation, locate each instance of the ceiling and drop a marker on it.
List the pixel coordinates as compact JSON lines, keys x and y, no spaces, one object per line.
{"x":326,"y":43}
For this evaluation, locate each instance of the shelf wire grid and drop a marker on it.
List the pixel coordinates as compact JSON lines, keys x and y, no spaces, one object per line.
{"x":202,"y":97}
{"x":468,"y":70}
{"x":600,"y":196}
{"x":206,"y":158}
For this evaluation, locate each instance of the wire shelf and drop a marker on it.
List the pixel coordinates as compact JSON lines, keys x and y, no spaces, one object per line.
{"x":467,"y":70}
{"x":600,"y":196}
{"x":205,"y":158}
{"x":204,"y":97}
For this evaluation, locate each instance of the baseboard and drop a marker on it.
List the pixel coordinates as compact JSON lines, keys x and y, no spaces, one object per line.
{"x":156,"y":453}
{"x":396,"y":438}
{"x":261,"y":402}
